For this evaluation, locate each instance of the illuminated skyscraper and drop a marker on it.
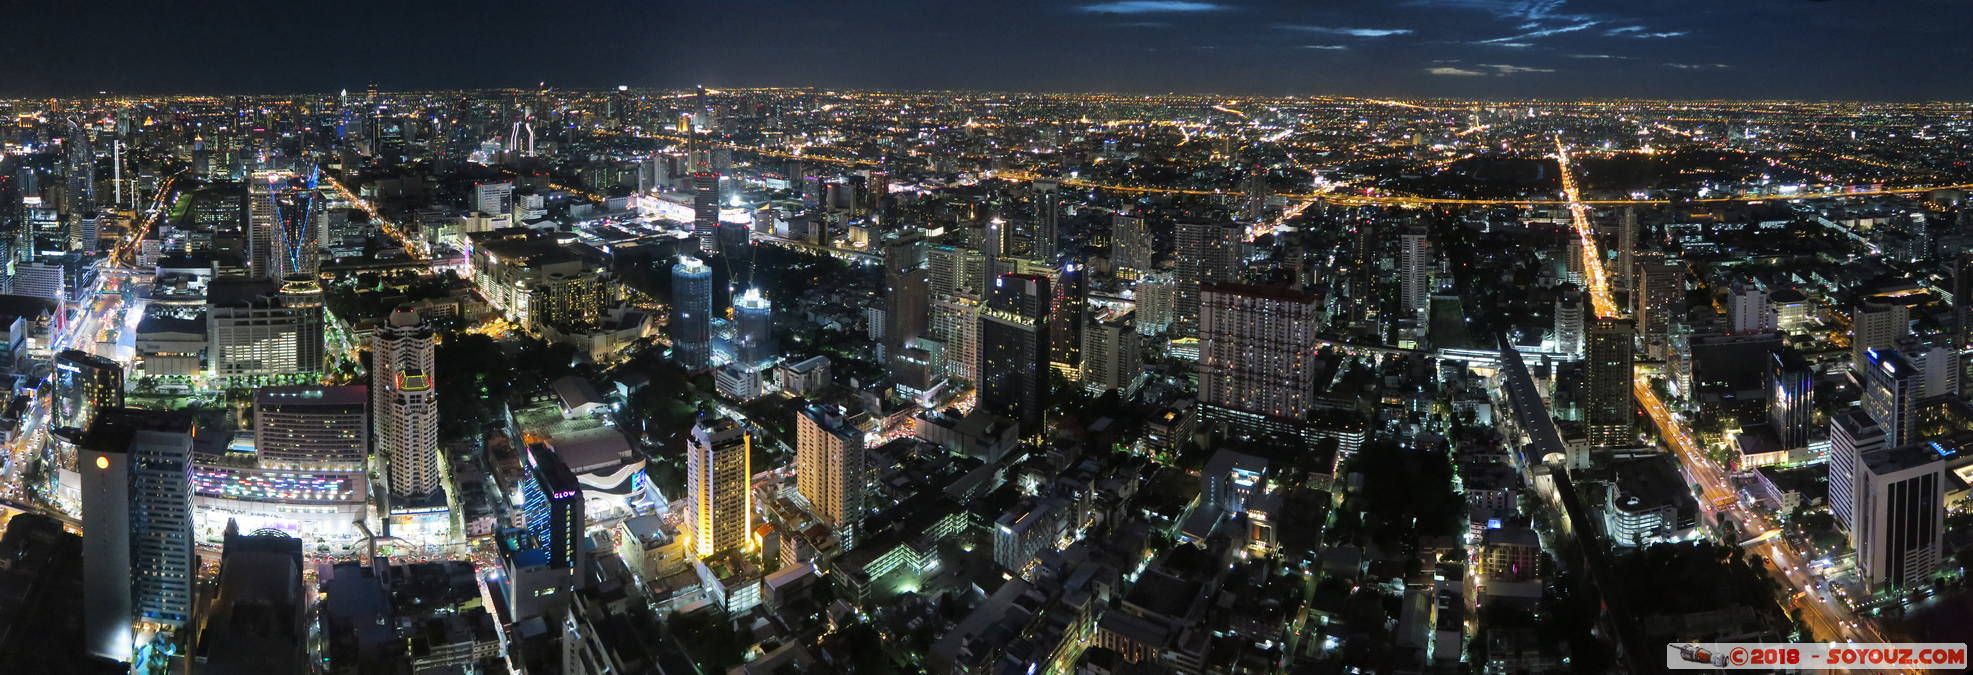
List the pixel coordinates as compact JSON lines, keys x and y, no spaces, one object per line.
{"x":956,"y":271}
{"x":1415,"y":262}
{"x":1130,"y":244}
{"x":78,"y":172}
{"x":262,"y":212}
{"x":1014,"y":349}
{"x":1892,"y":387}
{"x":1608,"y":408}
{"x":1961,"y":339}
{"x":257,"y":331}
{"x":1048,"y":218}
{"x":1626,"y":251}
{"x":1066,"y":312}
{"x":137,"y":510}
{"x":955,"y":323}
{"x":1852,"y":435}
{"x":301,"y":295}
{"x":718,"y":493}
{"x":405,"y":404}
{"x":296,"y":232}
{"x":705,"y":210}
{"x":520,"y":140}
{"x":85,"y":385}
{"x":1900,"y":513}
{"x":691,"y":314}
{"x":1791,"y":406}
{"x":907,"y":306}
{"x":829,"y":469}
{"x":1660,"y":301}
{"x":1206,"y":252}
{"x":754,"y":317}
{"x":1569,"y":311}
{"x":1256,"y":355}
{"x":551,"y":506}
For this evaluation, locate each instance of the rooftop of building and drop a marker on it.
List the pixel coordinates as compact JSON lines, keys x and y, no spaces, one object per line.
{"x":1894,"y":460}
{"x":312,"y":395}
{"x":1651,"y":482}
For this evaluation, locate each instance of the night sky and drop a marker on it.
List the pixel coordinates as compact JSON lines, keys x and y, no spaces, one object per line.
{"x":1805,"y":49}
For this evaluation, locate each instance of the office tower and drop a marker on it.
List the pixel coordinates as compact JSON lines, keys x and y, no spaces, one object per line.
{"x":261,"y":215}
{"x":1791,"y":387}
{"x":1876,"y":324}
{"x":691,"y":314}
{"x":1573,"y":261}
{"x":1130,"y":244}
{"x":1257,"y":355}
{"x":493,"y":199}
{"x":907,"y":298}
{"x":404,"y":404}
{"x":955,"y":323}
{"x":1569,"y":316}
{"x":1066,"y":311}
{"x":1938,"y":367}
{"x":551,"y":508}
{"x":754,"y":316}
{"x":1608,"y":408}
{"x":1014,"y":349}
{"x":312,"y":428}
{"x":1626,"y":251}
{"x":1048,"y":202}
{"x":84,"y":235}
{"x":718,"y":490}
{"x":259,"y":621}
{"x":296,"y":232}
{"x":85,"y":386}
{"x":1748,"y":311}
{"x":78,"y":171}
{"x":1415,"y":262}
{"x":301,"y":296}
{"x":1900,"y":517}
{"x":1895,"y":381}
{"x":705,"y":208}
{"x":1961,"y":340}
{"x":520,"y":139}
{"x":137,"y":510}
{"x":257,"y":331}
{"x":829,"y":470}
{"x":1205,"y":253}
{"x":1660,"y":300}
{"x":1852,"y":435}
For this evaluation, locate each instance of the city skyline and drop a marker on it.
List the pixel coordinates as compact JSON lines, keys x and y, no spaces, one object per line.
{"x":627,"y":370}
{"x":1549,"y":49}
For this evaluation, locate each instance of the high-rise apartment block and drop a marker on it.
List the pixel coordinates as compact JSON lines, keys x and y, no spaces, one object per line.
{"x":1608,"y":408}
{"x":830,"y":471}
{"x":718,"y":487}
{"x":405,"y":404}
